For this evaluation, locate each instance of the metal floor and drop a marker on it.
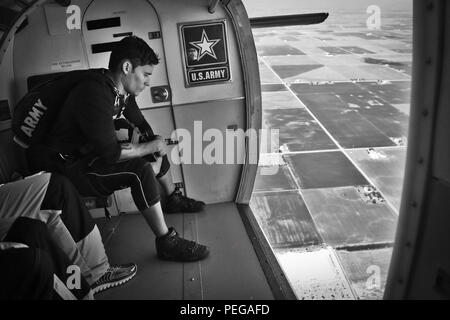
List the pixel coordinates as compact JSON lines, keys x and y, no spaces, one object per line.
{"x":232,"y":271}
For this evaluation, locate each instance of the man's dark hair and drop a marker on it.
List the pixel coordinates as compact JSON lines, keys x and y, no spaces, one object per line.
{"x":134,"y":49}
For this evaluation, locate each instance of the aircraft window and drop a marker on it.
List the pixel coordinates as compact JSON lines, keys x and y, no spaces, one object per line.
{"x":328,"y":198}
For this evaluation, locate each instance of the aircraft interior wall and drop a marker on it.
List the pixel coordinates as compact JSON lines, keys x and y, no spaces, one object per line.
{"x":420,"y":266}
{"x":430,"y":276}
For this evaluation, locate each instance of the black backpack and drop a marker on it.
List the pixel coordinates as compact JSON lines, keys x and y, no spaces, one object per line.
{"x":37,"y":110}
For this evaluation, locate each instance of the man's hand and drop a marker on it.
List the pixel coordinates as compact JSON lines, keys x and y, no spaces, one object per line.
{"x":160,"y":146}
{"x":156,"y":146}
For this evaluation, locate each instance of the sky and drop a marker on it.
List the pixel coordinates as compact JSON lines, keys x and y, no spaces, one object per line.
{"x":257,"y":8}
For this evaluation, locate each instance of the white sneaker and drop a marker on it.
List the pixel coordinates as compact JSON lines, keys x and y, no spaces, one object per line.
{"x":115,"y":276}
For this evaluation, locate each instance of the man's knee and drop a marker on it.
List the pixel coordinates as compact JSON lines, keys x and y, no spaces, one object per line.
{"x":60,"y":192}
{"x":144,"y":171}
{"x":142,"y":167}
{"x":27,"y":231}
{"x":59,"y":182}
{"x":139,"y":166}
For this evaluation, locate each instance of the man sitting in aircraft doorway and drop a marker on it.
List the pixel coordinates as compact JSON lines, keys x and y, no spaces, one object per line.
{"x":83,"y":146}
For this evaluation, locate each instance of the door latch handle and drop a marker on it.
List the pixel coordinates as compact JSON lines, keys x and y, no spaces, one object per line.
{"x":160,"y":94}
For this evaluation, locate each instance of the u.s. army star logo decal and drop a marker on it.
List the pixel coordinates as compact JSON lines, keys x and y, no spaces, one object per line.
{"x":205,"y":45}
{"x":205,"y":52}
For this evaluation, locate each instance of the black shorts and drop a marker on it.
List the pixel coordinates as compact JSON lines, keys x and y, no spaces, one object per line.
{"x":101,"y":179}
{"x":135,"y":173}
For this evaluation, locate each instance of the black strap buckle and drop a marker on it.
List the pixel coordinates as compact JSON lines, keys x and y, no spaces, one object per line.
{"x":105,"y":206}
{"x":67,"y":157}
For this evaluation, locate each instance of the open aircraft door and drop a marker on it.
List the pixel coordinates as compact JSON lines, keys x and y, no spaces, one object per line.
{"x":205,"y":70}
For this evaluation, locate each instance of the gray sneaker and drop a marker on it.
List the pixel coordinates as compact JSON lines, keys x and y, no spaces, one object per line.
{"x":115,"y":276}
{"x":177,"y":202}
{"x":172,"y":247}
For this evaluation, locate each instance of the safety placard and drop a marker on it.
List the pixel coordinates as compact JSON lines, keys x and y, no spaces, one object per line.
{"x":205,"y":52}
